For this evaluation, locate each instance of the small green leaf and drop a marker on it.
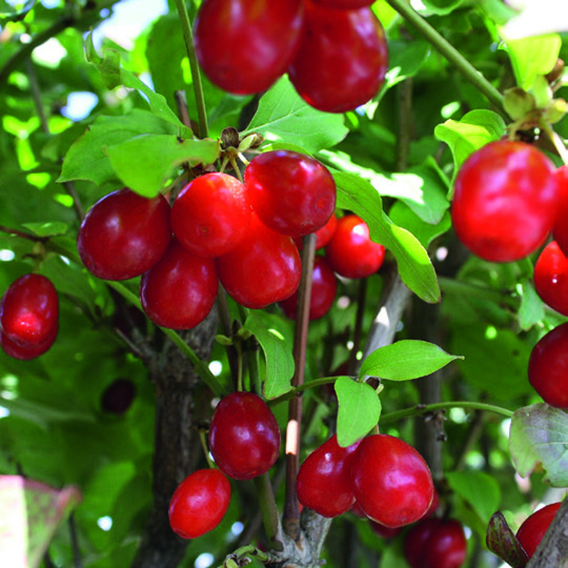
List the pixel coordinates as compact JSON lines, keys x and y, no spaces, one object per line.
{"x":501,"y":540}
{"x":359,"y":410}
{"x":283,"y":115}
{"x":277,"y":353}
{"x":406,"y":57}
{"x":442,"y":7}
{"x":532,"y":308}
{"x":47,"y":229}
{"x":478,"y":489}
{"x":406,"y":360}
{"x":404,"y":217}
{"x":539,"y":439}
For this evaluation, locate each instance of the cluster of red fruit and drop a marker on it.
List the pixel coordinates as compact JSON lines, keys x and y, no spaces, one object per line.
{"x":508,"y":199}
{"x":244,"y":46}
{"x":29,"y":317}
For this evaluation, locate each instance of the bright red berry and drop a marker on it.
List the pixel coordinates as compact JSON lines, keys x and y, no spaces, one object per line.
{"x":29,"y":311}
{"x":264,"y":268}
{"x":551,"y":277}
{"x":244,"y":437}
{"x":26,"y":353}
{"x":180,"y":290}
{"x":323,"y":235}
{"x":505,"y":201}
{"x":291,"y":193}
{"x":392,"y":483}
{"x":324,"y":287}
{"x":548,"y":367}
{"x":349,"y":44}
{"x":324,"y":479}
{"x":351,"y":252}
{"x":124,"y":234}
{"x":199,"y":503}
{"x":560,"y":230}
{"x":243,"y":46}
{"x":532,"y":530}
{"x":384,"y":532}
{"x":211,"y":214}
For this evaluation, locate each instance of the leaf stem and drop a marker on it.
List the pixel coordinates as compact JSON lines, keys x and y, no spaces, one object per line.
{"x":268,"y":507}
{"x":300,"y":389}
{"x":194,"y":67}
{"x":450,"y":53}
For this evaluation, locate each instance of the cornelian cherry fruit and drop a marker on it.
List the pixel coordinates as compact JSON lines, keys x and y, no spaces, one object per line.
{"x":124,"y":234}
{"x":16,"y":351}
{"x":532,"y":530}
{"x":551,"y":277}
{"x":392,"y":483}
{"x":244,"y":437}
{"x":505,"y":201}
{"x":323,"y":235}
{"x":291,"y":193}
{"x":560,"y":230}
{"x":324,"y":479}
{"x":199,"y":503}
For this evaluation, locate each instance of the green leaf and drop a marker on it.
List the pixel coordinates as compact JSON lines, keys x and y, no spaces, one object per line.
{"x":539,"y":440}
{"x":442,"y":7}
{"x":277,"y":353}
{"x":532,"y":308}
{"x":47,"y":229}
{"x":406,"y":57}
{"x":414,"y":265}
{"x":406,"y":360}
{"x":86,"y":159}
{"x":502,"y":542}
{"x":479,"y":489}
{"x":476,"y":129}
{"x":403,"y":216}
{"x":145,"y":162}
{"x":283,"y":115}
{"x":359,"y":410}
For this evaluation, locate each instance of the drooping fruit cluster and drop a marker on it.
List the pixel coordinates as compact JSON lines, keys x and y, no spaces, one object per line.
{"x":244,"y":46}
{"x":29,"y":317}
{"x":532,"y":530}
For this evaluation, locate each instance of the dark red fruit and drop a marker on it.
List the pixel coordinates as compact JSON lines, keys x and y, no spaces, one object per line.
{"x":124,"y":235}
{"x":29,"y":311}
{"x":244,"y":437}
{"x":560,"y":230}
{"x":180,"y":290}
{"x":199,"y":503}
{"x":243,"y":46}
{"x":323,"y":235}
{"x":551,"y":278}
{"x":505,"y":201}
{"x":548,"y":367}
{"x":291,"y":193}
{"x":324,"y":287}
{"x":211,"y":214}
{"x":384,"y":532}
{"x":345,"y":44}
{"x":416,"y":539}
{"x":118,"y":396}
{"x":26,"y":353}
{"x":392,"y":483}
{"x":532,"y":530}
{"x":264,"y":268}
{"x":351,"y":252}
{"x":324,"y":480}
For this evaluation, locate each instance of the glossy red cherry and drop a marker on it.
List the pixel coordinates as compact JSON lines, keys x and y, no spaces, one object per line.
{"x":211,"y":214}
{"x":392,"y":483}
{"x":560,"y":230}
{"x":27,"y":353}
{"x":244,"y":437}
{"x":551,"y":277}
{"x":124,"y":234}
{"x":532,"y":530}
{"x":415,"y":540}
{"x":180,"y":290}
{"x":324,"y":287}
{"x":199,"y":503}
{"x":323,"y":235}
{"x":29,"y":311}
{"x":351,"y":252}
{"x":291,"y":193}
{"x":324,"y":479}
{"x":548,"y":367}
{"x":264,"y":268}
{"x":243,"y":46}
{"x":384,"y":532}
{"x":349,"y":44}
{"x":505,"y":201}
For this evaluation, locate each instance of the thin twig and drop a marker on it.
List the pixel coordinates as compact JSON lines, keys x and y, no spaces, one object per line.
{"x":75,"y":542}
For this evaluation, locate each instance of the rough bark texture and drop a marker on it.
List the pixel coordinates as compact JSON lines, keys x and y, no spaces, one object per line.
{"x":553,"y":549}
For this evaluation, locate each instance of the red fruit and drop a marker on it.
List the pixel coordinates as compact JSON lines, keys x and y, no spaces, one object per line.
{"x":351,"y":252}
{"x":264,"y":268}
{"x":199,"y":503}
{"x":291,"y":193}
{"x":118,"y":396}
{"x":532,"y":530}
{"x":324,"y":287}
{"x":344,"y":4}
{"x":416,"y":539}
{"x":560,"y":230}
{"x":124,"y":234}
{"x":384,"y":532}
{"x":324,"y":480}
{"x":323,"y":235}
{"x":180,"y":290}
{"x":244,"y":437}
{"x":548,"y":367}
{"x":29,"y":312}
{"x":211,"y":214}
{"x":26,"y":353}
{"x":391,"y":480}
{"x":505,"y":201}
{"x":551,"y":278}
{"x":243,"y":46}
{"x":345,"y":44}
